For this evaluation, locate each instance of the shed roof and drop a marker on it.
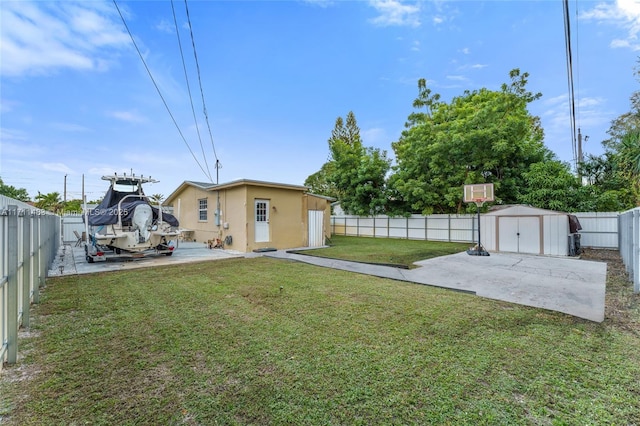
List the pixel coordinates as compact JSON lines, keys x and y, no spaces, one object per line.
{"x":521,"y":210}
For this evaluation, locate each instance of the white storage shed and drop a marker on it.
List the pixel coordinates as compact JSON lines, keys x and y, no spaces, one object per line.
{"x":525,"y":229}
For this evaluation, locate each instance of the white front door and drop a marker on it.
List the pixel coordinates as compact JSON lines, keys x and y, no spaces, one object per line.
{"x":261,"y":221}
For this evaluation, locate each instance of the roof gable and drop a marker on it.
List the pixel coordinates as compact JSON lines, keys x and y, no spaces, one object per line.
{"x":522,"y":210}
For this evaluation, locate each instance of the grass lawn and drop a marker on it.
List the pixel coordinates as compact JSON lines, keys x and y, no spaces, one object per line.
{"x":266,"y":341}
{"x":390,"y":251}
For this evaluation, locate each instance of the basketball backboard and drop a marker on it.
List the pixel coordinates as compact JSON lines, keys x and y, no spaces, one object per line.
{"x":480,"y":192}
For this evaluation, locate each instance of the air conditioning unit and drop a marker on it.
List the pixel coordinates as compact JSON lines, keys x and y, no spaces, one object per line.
{"x":574,"y":244}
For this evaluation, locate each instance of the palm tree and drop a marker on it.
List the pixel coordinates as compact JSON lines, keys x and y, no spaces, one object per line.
{"x":50,"y":201}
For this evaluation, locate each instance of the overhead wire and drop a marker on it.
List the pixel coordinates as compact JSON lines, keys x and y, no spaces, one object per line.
{"x":204,"y":106}
{"x":157,"y":88}
{"x":186,"y":77}
{"x":572,"y":106}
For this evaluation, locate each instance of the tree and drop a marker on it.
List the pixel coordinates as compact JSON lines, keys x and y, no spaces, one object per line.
{"x":158,"y":198}
{"x":50,"y":202}
{"x":359,"y":177}
{"x":481,"y":136}
{"x":19,"y":194}
{"x":320,"y":182}
{"x":72,"y":206}
{"x":613,"y":178}
{"x":550,"y":185}
{"x":353,"y":174}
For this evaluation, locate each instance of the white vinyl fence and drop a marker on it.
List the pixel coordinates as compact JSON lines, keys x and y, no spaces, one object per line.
{"x":29,"y":241}
{"x":599,"y":230}
{"x":437,"y":227}
{"x":630,"y":245}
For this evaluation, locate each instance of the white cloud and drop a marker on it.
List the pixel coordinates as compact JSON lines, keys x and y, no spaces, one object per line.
{"x":395,"y":13}
{"x":374,"y":136}
{"x":128,"y":116}
{"x":624,"y":14}
{"x":165,"y":27}
{"x":457,"y":78}
{"x":69,"y":127}
{"x":39,"y":37}
{"x":56,"y":167}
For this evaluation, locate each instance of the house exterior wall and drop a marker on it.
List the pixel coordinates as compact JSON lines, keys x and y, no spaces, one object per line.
{"x":287,"y":219}
{"x":186,"y":208}
{"x":287,"y":214}
{"x":234,"y":217}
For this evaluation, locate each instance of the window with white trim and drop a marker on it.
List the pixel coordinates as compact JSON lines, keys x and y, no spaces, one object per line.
{"x":202,"y":209}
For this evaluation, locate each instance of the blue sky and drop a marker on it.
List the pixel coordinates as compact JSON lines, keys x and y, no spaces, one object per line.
{"x":77,"y":100}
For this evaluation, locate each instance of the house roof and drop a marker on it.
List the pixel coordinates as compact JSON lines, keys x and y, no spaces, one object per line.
{"x":250,"y":182}
{"x":206,"y":186}
{"x":324,"y":197}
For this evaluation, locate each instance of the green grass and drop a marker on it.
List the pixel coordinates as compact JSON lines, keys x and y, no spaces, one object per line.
{"x":266,"y":341}
{"x":385,"y":250}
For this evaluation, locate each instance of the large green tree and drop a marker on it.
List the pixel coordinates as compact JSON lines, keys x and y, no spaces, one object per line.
{"x":613,"y":178}
{"x":321,"y":182}
{"x":19,"y":194}
{"x":482,"y":136}
{"x":550,"y":185}
{"x":359,"y":177}
{"x":354,"y":174}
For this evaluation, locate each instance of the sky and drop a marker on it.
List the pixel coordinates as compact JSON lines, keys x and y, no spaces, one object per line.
{"x":165,"y":89}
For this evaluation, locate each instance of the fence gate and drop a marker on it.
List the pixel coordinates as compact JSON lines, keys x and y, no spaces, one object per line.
{"x":316,"y":231}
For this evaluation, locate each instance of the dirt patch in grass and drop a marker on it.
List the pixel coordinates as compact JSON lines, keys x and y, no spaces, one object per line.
{"x":622,"y":305}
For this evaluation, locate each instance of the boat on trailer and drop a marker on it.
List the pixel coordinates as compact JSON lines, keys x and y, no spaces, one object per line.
{"x":126,"y":224}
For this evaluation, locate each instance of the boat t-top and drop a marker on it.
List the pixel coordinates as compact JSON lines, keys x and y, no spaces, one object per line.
{"x":126,"y":223}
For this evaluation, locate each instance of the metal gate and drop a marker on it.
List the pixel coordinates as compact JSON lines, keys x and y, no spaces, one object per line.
{"x":316,"y":228}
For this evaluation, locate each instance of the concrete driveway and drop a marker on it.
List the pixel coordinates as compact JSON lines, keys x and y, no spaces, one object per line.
{"x":572,"y":286}
{"x":72,"y":259}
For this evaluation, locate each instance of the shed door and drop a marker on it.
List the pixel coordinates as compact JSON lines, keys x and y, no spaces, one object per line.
{"x":519,"y":234}
{"x":261,"y":221}
{"x":316,"y":234}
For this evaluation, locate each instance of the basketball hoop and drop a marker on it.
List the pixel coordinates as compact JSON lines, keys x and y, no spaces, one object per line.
{"x":478,"y":194}
{"x":479,"y":201}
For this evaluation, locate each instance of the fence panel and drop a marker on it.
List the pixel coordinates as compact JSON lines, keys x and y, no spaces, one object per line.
{"x":72,"y":222}
{"x":29,"y":241}
{"x":599,"y":229}
{"x":629,"y":223}
{"x":437,"y":227}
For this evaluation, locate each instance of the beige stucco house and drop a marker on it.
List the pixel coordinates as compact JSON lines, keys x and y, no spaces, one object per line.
{"x":247,"y":214}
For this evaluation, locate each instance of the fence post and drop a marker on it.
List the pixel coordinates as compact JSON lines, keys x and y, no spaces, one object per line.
{"x":12,"y":289}
{"x":26,"y":269}
{"x":635,"y":226}
{"x":35,"y":244}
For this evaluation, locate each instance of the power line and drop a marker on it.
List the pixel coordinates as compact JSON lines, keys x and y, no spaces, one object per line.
{"x":186,"y":77}
{"x":204,"y":107}
{"x":572,"y":106}
{"x":158,"y":89}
